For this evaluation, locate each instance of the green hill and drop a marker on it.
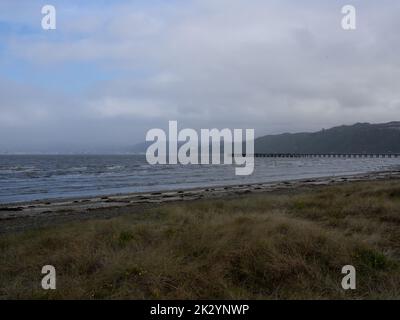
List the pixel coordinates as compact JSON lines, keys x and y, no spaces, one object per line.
{"x":357,"y":138}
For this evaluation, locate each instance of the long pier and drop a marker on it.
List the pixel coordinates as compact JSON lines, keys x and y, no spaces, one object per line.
{"x":327,"y":155}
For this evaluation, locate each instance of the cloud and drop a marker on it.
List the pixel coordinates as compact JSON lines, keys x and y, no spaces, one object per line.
{"x":274,"y":66}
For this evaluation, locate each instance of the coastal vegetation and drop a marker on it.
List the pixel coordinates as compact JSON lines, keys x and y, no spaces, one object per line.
{"x":288,"y":244}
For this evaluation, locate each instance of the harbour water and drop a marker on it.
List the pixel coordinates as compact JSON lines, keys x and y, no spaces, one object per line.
{"x":27,"y":177}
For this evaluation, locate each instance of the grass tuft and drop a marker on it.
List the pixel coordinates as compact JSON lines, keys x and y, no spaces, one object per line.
{"x":260,"y":246}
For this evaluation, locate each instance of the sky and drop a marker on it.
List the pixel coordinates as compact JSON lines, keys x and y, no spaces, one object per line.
{"x":112,"y":70}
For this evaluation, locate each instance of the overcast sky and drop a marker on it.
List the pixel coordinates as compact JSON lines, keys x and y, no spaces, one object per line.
{"x":114,"y":69}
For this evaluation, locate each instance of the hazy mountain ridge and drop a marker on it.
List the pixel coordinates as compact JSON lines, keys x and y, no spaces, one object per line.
{"x":357,"y":138}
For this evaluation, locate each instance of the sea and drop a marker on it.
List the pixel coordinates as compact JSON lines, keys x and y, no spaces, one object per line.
{"x":38,"y":177}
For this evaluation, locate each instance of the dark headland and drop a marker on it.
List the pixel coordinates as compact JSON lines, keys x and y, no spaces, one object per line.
{"x":360,"y":138}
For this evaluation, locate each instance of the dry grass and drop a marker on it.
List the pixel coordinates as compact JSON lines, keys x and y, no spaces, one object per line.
{"x":265,"y":246}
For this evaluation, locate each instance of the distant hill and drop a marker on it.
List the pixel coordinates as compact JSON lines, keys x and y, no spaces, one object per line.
{"x":357,"y":138}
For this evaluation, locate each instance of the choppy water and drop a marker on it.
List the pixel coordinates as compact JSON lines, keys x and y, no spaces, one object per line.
{"x":25,"y":178}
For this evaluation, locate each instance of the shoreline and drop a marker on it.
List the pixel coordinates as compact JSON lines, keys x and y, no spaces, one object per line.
{"x":288,"y":243}
{"x":21,"y":216}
